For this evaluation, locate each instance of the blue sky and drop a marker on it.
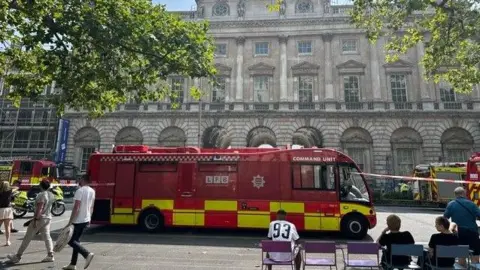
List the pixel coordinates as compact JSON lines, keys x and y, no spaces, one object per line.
{"x":176,"y":5}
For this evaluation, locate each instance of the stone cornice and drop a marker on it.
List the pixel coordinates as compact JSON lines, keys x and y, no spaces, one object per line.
{"x":282,"y":114}
{"x":278,"y":22}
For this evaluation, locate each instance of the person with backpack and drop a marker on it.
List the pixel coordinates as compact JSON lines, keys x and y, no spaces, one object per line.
{"x":464,"y":214}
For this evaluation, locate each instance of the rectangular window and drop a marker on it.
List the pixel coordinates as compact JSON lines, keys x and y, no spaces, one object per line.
{"x":305,"y":89}
{"x":40,"y":117}
{"x":351,"y":88}
{"x":349,"y":46}
{"x":221,"y":50}
{"x":26,"y":168}
{"x":358,"y":155}
{"x":260,"y":88}
{"x":405,"y":161}
{"x":304,"y":47}
{"x":219,"y":90}
{"x":158,"y":167}
{"x":320,"y":177}
{"x":37,"y":139}
{"x":215,"y":167}
{"x":25,"y":117}
{"x":177,"y":89}
{"x":21,"y":139}
{"x":457,"y":155}
{"x":261,"y":48}
{"x":398,"y":85}
{"x":6,"y":139}
{"x":447,"y":94}
{"x":86,"y":152}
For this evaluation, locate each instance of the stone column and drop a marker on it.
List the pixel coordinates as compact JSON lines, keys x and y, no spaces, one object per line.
{"x":283,"y":68}
{"x":239,"y":78}
{"x":327,"y":41}
{"x":375,"y":72}
{"x":424,"y":91}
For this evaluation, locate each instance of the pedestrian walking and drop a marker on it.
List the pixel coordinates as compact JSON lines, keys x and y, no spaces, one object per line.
{"x":464,"y":213}
{"x":80,"y":219}
{"x":6,"y":212}
{"x":40,"y":223}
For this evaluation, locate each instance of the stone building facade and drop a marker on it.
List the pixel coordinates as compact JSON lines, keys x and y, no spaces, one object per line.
{"x":302,"y":75}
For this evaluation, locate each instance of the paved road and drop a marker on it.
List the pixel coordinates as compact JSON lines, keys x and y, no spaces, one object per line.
{"x":120,"y":248}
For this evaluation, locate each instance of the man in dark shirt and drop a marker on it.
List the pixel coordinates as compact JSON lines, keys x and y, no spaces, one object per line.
{"x":393,"y":235}
{"x":464,"y":213}
{"x":444,"y":238}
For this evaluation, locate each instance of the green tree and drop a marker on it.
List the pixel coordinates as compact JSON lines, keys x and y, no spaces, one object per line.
{"x":450,"y":30}
{"x":99,"y":52}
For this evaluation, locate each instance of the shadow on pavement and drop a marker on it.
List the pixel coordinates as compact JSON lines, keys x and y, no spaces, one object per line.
{"x":195,"y":237}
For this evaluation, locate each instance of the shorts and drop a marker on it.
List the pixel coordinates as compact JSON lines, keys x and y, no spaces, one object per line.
{"x":295,"y":252}
{"x":6,"y":213}
{"x":470,"y":238}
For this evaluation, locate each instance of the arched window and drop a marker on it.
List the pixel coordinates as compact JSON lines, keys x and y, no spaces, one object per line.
{"x":357,"y":143}
{"x":129,"y":136}
{"x":86,"y":141}
{"x":407,"y":150}
{"x":457,"y":145}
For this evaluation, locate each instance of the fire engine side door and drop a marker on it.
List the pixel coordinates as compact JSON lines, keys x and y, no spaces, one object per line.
{"x":186,"y":212}
{"x":124,"y":189}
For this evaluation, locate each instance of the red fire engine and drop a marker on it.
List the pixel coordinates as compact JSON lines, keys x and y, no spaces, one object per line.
{"x":473,"y":170}
{"x":154,"y":187}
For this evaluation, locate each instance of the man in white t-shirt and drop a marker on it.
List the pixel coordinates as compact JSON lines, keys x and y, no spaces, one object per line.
{"x":80,"y":219}
{"x":282,"y":230}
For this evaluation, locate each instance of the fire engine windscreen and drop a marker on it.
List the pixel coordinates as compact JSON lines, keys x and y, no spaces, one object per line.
{"x":65,"y":172}
{"x":352,"y":186}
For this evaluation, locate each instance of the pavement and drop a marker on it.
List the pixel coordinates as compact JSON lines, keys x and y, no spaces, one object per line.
{"x":126,"y":248}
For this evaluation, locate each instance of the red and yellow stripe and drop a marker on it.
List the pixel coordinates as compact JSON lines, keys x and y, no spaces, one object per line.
{"x":235,"y":214}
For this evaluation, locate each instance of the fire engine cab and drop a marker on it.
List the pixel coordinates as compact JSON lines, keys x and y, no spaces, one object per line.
{"x":156,"y":187}
{"x":473,"y":171}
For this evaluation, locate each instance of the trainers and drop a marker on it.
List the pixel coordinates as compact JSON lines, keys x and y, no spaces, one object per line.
{"x":13,"y":230}
{"x":13,"y":258}
{"x":88,"y":260}
{"x":49,"y":258}
{"x":69,"y":267}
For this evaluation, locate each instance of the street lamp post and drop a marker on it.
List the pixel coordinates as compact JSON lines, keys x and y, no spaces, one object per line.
{"x":199,"y":122}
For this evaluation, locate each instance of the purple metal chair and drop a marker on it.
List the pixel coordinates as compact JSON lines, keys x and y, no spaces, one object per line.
{"x":320,"y":248}
{"x":277,"y":246}
{"x":362,"y":249}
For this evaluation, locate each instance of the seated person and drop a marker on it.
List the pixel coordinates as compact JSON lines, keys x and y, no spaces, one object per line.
{"x":393,"y":235}
{"x":282,"y":230}
{"x":444,"y":238}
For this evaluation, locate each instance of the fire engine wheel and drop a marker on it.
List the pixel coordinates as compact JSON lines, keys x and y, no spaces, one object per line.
{"x":152,"y":221}
{"x":354,"y":226}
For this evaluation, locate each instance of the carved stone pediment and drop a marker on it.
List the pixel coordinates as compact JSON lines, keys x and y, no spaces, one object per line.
{"x":356,"y":135}
{"x":351,"y":67}
{"x":172,"y":136}
{"x":456,"y":136}
{"x":406,"y":135}
{"x":261,"y":69}
{"x":223,"y":70}
{"x":305,"y":68}
{"x":129,"y":135}
{"x":87,"y":134}
{"x":398,"y":66}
